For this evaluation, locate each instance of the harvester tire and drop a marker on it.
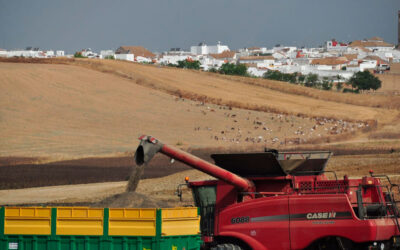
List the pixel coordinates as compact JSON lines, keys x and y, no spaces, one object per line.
{"x":227,"y":246}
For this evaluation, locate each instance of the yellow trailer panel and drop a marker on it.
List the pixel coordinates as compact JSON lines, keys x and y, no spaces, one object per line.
{"x":180,"y":221}
{"x":79,"y":221}
{"x":132,"y":222}
{"x":29,"y":220}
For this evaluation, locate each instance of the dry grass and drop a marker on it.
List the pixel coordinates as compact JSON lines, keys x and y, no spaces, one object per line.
{"x":367,"y":100}
{"x":246,"y":93}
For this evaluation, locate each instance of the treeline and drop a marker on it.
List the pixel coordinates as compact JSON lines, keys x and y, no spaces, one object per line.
{"x":186,"y":64}
{"x":310,"y":80}
{"x":226,"y":68}
{"x":231,"y":69}
{"x":359,"y":82}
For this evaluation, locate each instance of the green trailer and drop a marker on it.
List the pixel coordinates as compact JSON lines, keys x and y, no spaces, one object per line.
{"x":82,"y":228}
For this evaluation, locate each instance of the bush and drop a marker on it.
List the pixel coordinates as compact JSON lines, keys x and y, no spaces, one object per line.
{"x":326,"y":85}
{"x":311,"y":80}
{"x":301,"y":79}
{"x":279,"y":76}
{"x":109,"y":57}
{"x":213,"y":70}
{"x":189,"y":64}
{"x":233,"y":69}
{"x":346,"y":90}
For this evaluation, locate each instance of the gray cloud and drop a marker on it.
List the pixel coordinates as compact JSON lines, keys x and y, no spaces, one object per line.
{"x":160,"y":25}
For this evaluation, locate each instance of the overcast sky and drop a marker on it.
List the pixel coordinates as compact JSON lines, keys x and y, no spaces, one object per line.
{"x":161,"y":24}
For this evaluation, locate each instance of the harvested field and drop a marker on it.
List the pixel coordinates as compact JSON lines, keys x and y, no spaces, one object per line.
{"x":161,"y":191}
{"x":390,"y":83}
{"x":89,"y":170}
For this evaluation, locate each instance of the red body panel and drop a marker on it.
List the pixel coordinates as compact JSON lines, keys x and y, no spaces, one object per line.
{"x":287,"y":218}
{"x":271,"y":221}
{"x":304,"y":231}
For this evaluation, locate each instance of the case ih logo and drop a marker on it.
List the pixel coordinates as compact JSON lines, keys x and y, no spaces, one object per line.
{"x":318,"y":216}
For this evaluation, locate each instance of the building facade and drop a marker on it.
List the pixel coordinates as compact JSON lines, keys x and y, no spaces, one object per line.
{"x":204,"y":49}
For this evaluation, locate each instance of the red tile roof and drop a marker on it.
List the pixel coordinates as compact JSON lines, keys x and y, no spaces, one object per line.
{"x":329,"y":61}
{"x":135,"y":50}
{"x":370,"y":43}
{"x":225,"y":54}
{"x":252,"y":58}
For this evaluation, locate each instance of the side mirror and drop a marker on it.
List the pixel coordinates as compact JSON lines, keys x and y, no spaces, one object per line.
{"x":178,"y":191}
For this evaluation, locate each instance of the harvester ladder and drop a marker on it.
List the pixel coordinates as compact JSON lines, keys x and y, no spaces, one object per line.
{"x":394,"y":206}
{"x":392,"y":201}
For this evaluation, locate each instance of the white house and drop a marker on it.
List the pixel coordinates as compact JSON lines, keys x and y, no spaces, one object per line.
{"x":216,"y":60}
{"x":257,"y":50}
{"x":255,"y":71}
{"x":329,"y":63}
{"x":106,"y":53}
{"x":88,"y":53}
{"x":173,"y":58}
{"x":28,"y":52}
{"x":204,"y":49}
{"x":368,"y":64}
{"x":260,"y":61}
{"x":60,"y":53}
{"x":373,"y":44}
{"x":134,"y":53}
{"x":125,"y":57}
{"x":49,"y":53}
{"x":142,"y":59}
{"x":279,"y":55}
{"x":3,"y":53}
{"x":333,"y":45}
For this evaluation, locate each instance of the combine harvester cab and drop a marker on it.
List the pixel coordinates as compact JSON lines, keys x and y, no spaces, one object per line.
{"x":284,"y":200}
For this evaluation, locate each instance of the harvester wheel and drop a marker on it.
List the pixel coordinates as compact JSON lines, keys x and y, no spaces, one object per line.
{"x":227,"y":246}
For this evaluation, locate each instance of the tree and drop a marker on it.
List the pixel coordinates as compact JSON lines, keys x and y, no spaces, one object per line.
{"x":311,"y":80}
{"x":213,"y":70}
{"x":326,"y":85}
{"x":301,"y":78}
{"x":365,"y":81}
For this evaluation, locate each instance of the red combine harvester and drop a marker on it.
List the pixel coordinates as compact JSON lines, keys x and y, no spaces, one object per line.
{"x":283,"y":200}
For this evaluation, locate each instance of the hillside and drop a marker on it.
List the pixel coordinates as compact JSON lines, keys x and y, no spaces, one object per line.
{"x":68,"y":111}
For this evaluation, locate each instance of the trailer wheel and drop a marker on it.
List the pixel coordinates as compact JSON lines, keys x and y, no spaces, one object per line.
{"x":227,"y":246}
